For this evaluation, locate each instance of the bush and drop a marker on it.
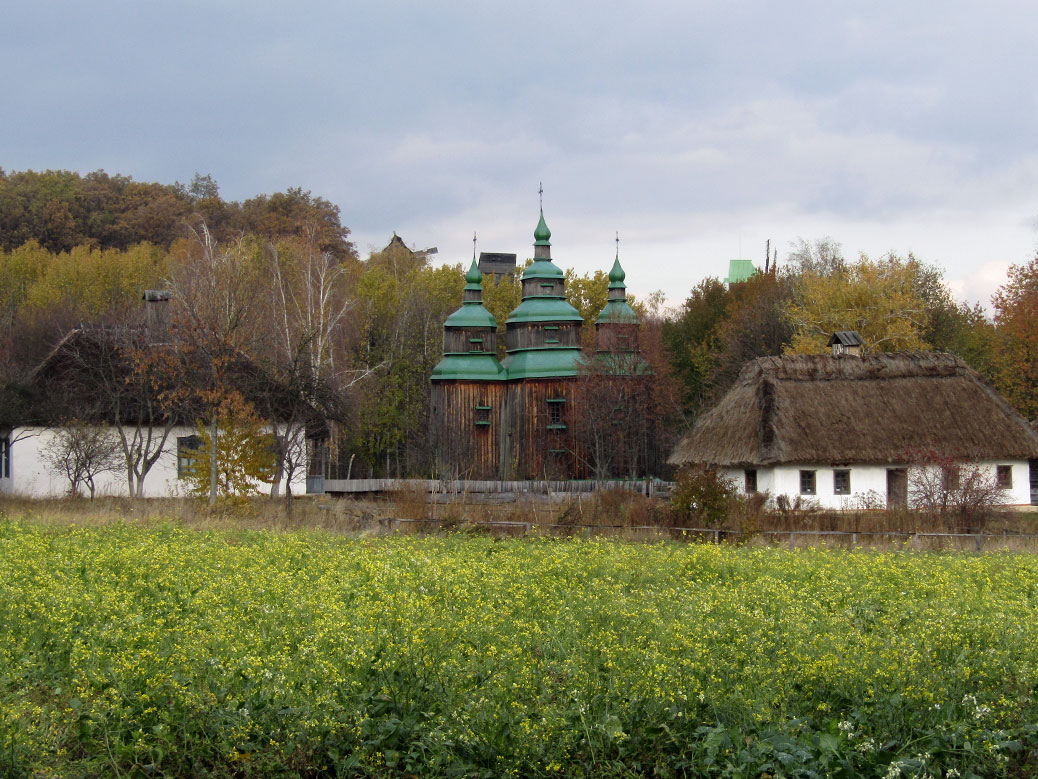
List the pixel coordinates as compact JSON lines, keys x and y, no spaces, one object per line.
{"x":702,"y":496}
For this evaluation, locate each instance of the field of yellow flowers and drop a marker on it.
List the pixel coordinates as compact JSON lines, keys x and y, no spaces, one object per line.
{"x":158,"y":651}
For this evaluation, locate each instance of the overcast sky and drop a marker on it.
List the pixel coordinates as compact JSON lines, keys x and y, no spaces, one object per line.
{"x":696,"y":129}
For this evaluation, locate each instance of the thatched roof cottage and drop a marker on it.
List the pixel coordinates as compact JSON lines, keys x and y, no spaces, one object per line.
{"x":841,"y":429}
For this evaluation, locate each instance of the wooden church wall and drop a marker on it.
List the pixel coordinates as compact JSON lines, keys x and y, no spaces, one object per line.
{"x":537,"y":442}
{"x":465,"y":417}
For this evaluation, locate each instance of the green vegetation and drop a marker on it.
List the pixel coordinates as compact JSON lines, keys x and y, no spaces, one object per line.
{"x":157,"y":651}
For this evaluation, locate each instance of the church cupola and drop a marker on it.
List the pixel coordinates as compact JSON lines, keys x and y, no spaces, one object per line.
{"x":543,"y":332}
{"x":470,"y":337}
{"x":616,"y":329}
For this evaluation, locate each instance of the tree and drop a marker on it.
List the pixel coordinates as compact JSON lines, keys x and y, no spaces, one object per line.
{"x":691,"y":341}
{"x":879,"y":299}
{"x":945,"y":486}
{"x":244,"y":452}
{"x":309,"y":304}
{"x":81,"y":452}
{"x":822,"y":258}
{"x":1016,"y":343}
{"x":215,"y":291}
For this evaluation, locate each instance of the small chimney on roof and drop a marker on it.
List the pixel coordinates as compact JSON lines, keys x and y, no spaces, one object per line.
{"x":846,"y":342}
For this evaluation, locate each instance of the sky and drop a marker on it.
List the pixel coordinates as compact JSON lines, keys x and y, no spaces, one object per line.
{"x":696,"y":130}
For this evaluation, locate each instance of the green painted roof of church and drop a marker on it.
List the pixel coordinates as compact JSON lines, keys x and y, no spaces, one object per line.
{"x":542,"y":363}
{"x":472,"y":367}
{"x":471,"y":314}
{"x":617,"y":312}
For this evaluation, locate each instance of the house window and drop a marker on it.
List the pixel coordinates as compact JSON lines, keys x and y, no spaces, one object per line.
{"x":807,"y":482}
{"x":841,"y":482}
{"x":950,"y":478}
{"x":483,"y":416}
{"x":5,"y":457}
{"x":188,"y":447}
{"x":1004,"y":476}
{"x":555,"y":414}
{"x":750,"y":480}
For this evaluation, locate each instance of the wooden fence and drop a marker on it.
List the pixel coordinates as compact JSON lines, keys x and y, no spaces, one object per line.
{"x":491,"y":491}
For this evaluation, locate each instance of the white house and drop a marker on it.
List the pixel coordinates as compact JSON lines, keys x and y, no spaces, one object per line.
{"x":848,"y":431}
{"x":24,"y":470}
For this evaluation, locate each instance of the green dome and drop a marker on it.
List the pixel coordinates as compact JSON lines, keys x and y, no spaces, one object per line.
{"x":474,"y":367}
{"x":543,"y":269}
{"x":471,"y":314}
{"x":474,"y":275}
{"x":617,"y":312}
{"x":616,"y":274}
{"x":542,"y":235}
{"x":544,"y":310}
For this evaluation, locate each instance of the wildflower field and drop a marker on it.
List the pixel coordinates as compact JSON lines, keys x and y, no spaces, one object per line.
{"x":158,"y":651}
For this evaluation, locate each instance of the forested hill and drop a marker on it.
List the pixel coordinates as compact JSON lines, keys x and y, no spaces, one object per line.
{"x":61,"y":210}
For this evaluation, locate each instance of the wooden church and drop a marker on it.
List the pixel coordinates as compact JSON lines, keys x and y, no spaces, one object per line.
{"x":512,"y":419}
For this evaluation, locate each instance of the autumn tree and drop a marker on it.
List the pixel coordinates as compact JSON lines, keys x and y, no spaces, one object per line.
{"x":1016,"y":345}
{"x":241,"y":454}
{"x":878,"y":298}
{"x":215,"y":290}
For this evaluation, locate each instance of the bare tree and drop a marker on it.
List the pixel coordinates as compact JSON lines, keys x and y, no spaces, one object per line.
{"x":948,"y":487}
{"x":81,"y":452}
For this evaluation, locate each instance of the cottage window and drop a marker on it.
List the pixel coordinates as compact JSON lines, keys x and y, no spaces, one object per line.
{"x":950,"y":478}
{"x":841,"y":482}
{"x":807,"y":482}
{"x":5,"y":457}
{"x":750,"y":480}
{"x":188,"y":447}
{"x":1004,"y":476}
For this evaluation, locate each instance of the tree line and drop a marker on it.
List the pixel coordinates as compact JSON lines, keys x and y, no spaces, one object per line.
{"x":277,"y":318}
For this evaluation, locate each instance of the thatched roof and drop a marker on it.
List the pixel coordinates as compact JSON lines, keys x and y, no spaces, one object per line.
{"x":842,"y":410}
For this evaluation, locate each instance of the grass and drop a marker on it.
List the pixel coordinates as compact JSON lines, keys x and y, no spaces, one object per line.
{"x":149,"y":649}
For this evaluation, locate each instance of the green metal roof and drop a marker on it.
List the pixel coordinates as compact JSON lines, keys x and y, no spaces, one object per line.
{"x":618,"y":312}
{"x":543,"y":269}
{"x":544,"y":310}
{"x":740,"y":270}
{"x":474,"y":277}
{"x":616,"y":274}
{"x":541,"y":235}
{"x":542,"y":363}
{"x":474,"y":367}
{"x":471,"y":314}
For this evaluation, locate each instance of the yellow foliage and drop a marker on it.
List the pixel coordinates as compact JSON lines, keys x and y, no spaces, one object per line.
{"x":244,"y":452}
{"x":876,"y":298}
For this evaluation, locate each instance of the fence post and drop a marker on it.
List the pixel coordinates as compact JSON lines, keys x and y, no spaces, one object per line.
{"x":792,"y":540}
{"x":915,"y":542}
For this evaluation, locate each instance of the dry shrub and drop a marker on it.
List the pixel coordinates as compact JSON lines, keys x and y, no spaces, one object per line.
{"x":411,"y":503}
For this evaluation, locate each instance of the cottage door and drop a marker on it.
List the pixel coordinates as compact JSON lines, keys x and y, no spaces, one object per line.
{"x":897,"y":488}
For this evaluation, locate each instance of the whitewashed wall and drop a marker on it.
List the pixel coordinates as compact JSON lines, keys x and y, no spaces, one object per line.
{"x":868,"y":483}
{"x":32,"y":477}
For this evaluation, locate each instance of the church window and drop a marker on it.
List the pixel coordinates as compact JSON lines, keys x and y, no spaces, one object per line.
{"x":556,"y":419}
{"x":483,"y":416}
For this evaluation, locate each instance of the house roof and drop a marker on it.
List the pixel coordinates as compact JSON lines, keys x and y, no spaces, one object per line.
{"x":874,"y":409}
{"x":846,"y":338}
